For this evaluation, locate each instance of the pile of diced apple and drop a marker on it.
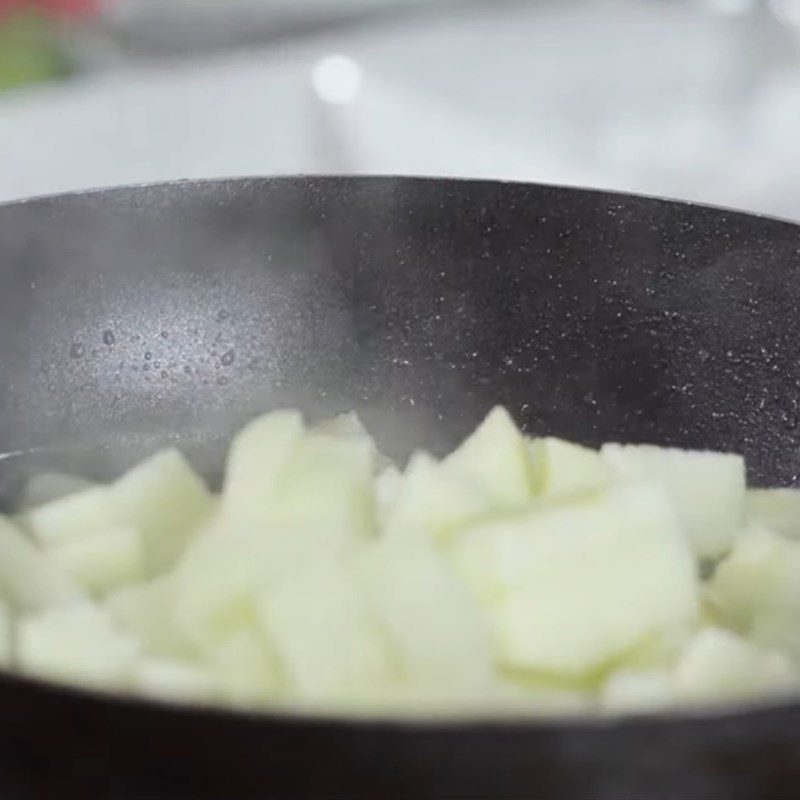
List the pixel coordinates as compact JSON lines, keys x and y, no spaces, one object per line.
{"x":516,"y":575}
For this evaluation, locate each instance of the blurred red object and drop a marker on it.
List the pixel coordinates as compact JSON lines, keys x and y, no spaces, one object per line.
{"x":61,"y":8}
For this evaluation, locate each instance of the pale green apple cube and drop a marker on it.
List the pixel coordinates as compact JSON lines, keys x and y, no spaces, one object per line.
{"x":76,"y":644}
{"x":718,"y":665}
{"x":569,"y":588}
{"x":175,"y":681}
{"x":388,"y":485}
{"x":48,"y":486}
{"x":77,"y":516}
{"x":756,"y":589}
{"x":31,"y":580}
{"x":776,"y":509}
{"x":706,"y":488}
{"x":328,"y":640}
{"x":104,"y":561}
{"x":167,"y":501}
{"x":214,"y":584}
{"x":496,"y":457}
{"x":434,"y":501}
{"x":563,"y":470}
{"x":327,"y":481}
{"x":6,"y":636}
{"x":217,"y":578}
{"x":255,"y":460}
{"x":146,"y":612}
{"x":246,"y":669}
{"x":631,"y":691}
{"x":435,"y":627}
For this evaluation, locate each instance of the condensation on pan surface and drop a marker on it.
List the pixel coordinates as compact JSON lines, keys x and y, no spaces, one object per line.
{"x":180,"y":310}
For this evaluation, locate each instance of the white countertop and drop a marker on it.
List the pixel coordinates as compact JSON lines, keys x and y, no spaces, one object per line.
{"x":644,"y":96}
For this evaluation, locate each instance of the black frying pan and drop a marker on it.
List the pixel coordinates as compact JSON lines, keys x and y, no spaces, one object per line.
{"x":133,"y":315}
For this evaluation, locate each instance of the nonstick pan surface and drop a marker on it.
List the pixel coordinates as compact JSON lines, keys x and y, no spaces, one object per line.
{"x":177,"y":311}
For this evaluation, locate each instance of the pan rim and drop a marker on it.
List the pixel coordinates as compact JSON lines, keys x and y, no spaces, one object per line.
{"x":456,"y":180}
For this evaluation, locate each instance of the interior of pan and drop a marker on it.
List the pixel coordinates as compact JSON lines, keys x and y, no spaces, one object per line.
{"x":136,"y":315}
{"x":177,"y":311}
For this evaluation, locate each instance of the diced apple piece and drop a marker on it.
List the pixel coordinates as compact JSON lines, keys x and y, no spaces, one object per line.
{"x":761,"y":574}
{"x":563,"y":470}
{"x":777,"y":629}
{"x":434,"y":501}
{"x":350,"y":424}
{"x":145,"y":611}
{"x":707,"y":489}
{"x":660,"y":651}
{"x":496,"y":457}
{"x":721,"y":666}
{"x":347,"y":424}
{"x":436,"y":630}
{"x":87,"y":513}
{"x":777,"y":509}
{"x":166,"y":500}
{"x":48,"y":486}
{"x":246,"y":670}
{"x":757,"y":589}
{"x":569,"y":588}
{"x":104,"y":561}
{"x":174,"y":681}
{"x":327,"y":639}
{"x":76,"y":644}
{"x":540,"y":701}
{"x":217,"y":577}
{"x":255,"y":460}
{"x":327,"y":482}
{"x":30,"y":580}
{"x":6,"y":636}
{"x":388,"y":485}
{"x":213,"y":587}
{"x":638,"y":692}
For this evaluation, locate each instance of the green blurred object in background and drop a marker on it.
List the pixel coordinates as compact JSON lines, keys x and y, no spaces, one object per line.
{"x":29,"y":50}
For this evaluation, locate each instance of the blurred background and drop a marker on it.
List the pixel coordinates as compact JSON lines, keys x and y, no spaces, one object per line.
{"x":697,"y":99}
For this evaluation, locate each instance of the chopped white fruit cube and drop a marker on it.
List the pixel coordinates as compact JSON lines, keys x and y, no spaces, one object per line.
{"x":76,"y":516}
{"x":29,"y":579}
{"x":326,"y":482}
{"x":562,"y":470}
{"x":436,"y":630}
{"x":761,"y":574}
{"x":173,"y":680}
{"x":569,"y":588}
{"x":777,"y":509}
{"x":145,"y":611}
{"x":706,"y":488}
{"x":530,"y":698}
{"x":213,"y":587}
{"x":638,"y":692}
{"x":245,"y":669}
{"x":388,"y":485}
{"x":329,"y":642}
{"x":48,"y":486}
{"x":718,"y":666}
{"x":434,"y":501}
{"x":516,"y":576}
{"x":496,"y":457}
{"x":6,"y":636}
{"x":255,"y":460}
{"x":104,"y":561}
{"x":166,"y":500}
{"x":347,"y":424}
{"x":756,"y":589}
{"x":216,"y":579}
{"x":76,"y":644}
